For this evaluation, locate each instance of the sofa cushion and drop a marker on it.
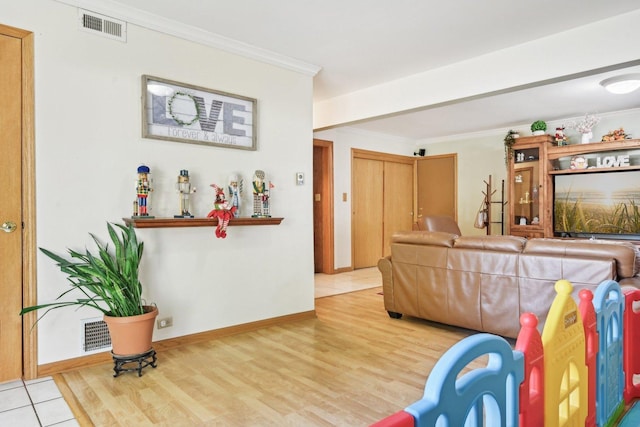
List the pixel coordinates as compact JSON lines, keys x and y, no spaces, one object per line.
{"x":491,"y":243}
{"x":437,"y":223}
{"x":624,"y":253}
{"x":435,"y":238}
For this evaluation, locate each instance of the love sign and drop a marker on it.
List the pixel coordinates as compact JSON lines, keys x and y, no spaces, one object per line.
{"x":612,"y":161}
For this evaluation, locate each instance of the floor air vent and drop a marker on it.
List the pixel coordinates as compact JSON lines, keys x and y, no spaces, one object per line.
{"x":103,"y":25}
{"x":95,"y":335}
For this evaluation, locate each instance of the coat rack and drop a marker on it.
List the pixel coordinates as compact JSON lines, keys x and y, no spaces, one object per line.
{"x":489,"y":202}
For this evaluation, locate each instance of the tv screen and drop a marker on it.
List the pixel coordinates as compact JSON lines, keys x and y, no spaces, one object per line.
{"x":597,"y":204}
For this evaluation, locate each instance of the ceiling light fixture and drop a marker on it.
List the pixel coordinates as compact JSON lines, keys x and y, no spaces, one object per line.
{"x":622,"y":84}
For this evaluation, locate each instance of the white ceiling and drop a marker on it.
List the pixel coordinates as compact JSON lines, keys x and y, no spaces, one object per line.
{"x":362,"y":43}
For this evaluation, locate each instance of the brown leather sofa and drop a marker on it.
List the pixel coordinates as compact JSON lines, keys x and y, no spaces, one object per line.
{"x":486,"y":282}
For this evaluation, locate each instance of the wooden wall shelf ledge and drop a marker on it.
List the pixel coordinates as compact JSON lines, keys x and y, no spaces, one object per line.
{"x":196,"y":222}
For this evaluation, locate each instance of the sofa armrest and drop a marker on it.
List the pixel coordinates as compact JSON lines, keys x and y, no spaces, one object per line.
{"x":384,"y":265}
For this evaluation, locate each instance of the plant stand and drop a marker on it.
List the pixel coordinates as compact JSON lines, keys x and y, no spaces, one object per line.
{"x":134,"y":362}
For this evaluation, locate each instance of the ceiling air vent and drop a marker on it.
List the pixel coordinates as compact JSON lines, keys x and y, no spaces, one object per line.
{"x":103,"y":25}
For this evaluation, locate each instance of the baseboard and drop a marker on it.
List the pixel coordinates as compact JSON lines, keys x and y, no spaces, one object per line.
{"x":342,"y":270}
{"x":101,"y":358}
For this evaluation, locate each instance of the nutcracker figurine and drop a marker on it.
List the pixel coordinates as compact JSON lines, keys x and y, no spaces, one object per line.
{"x":183,"y":186}
{"x":261,"y":192}
{"x":141,"y":206}
{"x":235,"y":193}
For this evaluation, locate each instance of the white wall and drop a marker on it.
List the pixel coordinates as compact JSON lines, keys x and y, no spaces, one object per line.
{"x":479,"y":156}
{"x":344,"y":139}
{"x":483,"y":155}
{"x":88,"y":147}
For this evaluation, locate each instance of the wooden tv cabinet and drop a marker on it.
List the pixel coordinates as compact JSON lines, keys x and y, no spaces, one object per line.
{"x":536,"y":160}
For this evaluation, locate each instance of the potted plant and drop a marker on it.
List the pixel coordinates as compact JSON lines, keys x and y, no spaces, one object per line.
{"x":538,"y":127}
{"x":509,"y":140}
{"x":109,"y":283}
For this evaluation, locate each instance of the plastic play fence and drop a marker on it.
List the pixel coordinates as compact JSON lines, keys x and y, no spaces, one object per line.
{"x":582,"y":370}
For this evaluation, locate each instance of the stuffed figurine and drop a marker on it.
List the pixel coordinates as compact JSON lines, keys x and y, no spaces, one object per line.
{"x":560,"y":137}
{"x":223,"y":210}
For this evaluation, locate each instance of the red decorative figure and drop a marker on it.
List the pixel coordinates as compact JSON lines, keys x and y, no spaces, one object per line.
{"x":223,"y":210}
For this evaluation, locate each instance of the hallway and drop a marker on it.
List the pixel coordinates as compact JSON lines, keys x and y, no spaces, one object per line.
{"x":356,"y":280}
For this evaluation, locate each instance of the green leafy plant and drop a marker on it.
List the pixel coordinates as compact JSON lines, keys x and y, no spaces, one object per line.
{"x":509,"y":140}
{"x":538,"y":125}
{"x":109,"y":280}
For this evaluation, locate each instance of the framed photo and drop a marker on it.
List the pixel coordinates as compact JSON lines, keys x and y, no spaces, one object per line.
{"x":180,"y":112}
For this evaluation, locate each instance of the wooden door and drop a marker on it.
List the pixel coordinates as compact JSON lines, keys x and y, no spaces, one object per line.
{"x":398,"y":200}
{"x":11,"y":208}
{"x":367,"y":222}
{"x":323,"y":206}
{"x":437,"y":185}
{"x":318,"y":218}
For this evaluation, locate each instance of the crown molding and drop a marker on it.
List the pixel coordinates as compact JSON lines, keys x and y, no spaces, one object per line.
{"x":174,"y":28}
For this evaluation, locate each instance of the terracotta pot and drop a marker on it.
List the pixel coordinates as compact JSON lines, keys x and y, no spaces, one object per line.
{"x":132,"y":334}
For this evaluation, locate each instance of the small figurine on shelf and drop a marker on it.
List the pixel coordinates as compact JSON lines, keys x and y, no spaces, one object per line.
{"x":560,"y":137}
{"x":579,"y":162}
{"x":141,"y":206}
{"x":616,"y":135}
{"x":183,"y":186}
{"x":223,"y":210}
{"x":261,"y":194}
{"x":235,"y":193}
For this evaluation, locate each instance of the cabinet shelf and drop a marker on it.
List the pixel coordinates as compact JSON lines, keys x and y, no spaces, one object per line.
{"x":589,"y":170}
{"x":196,"y":222}
{"x":553,"y":161}
{"x":556,"y":152}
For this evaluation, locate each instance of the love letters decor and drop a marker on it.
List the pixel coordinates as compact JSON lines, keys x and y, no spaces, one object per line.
{"x":612,"y":161}
{"x":176,"y":111}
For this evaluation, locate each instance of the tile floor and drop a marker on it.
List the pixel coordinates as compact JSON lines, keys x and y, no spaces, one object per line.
{"x":34,"y":403}
{"x":356,"y":280}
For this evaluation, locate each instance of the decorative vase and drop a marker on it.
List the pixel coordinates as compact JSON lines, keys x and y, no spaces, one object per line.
{"x":132,"y":335}
{"x":538,"y":132}
{"x":586,"y":137}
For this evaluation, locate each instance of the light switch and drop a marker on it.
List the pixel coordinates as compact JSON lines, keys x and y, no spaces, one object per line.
{"x":344,"y":197}
{"x":316,"y":197}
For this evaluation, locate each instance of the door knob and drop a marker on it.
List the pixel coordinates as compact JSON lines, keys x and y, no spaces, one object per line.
{"x":9,"y":227}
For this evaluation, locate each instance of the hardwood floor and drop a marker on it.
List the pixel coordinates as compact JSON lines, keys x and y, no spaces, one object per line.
{"x":351,"y":366}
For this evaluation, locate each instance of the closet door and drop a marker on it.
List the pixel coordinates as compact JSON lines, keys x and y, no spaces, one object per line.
{"x":398,"y":201}
{"x":383,"y":190}
{"x":367,"y":211}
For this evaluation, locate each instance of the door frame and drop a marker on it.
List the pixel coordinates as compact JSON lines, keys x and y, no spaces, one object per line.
{"x":29,"y":285}
{"x":326,"y":201}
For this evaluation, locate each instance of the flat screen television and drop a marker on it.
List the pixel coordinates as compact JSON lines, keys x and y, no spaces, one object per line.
{"x":597,"y":205}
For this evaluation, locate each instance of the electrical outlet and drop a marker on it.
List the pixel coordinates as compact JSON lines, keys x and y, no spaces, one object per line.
{"x":165,"y":322}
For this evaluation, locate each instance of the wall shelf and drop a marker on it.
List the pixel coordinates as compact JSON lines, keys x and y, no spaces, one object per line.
{"x":196,"y":222}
